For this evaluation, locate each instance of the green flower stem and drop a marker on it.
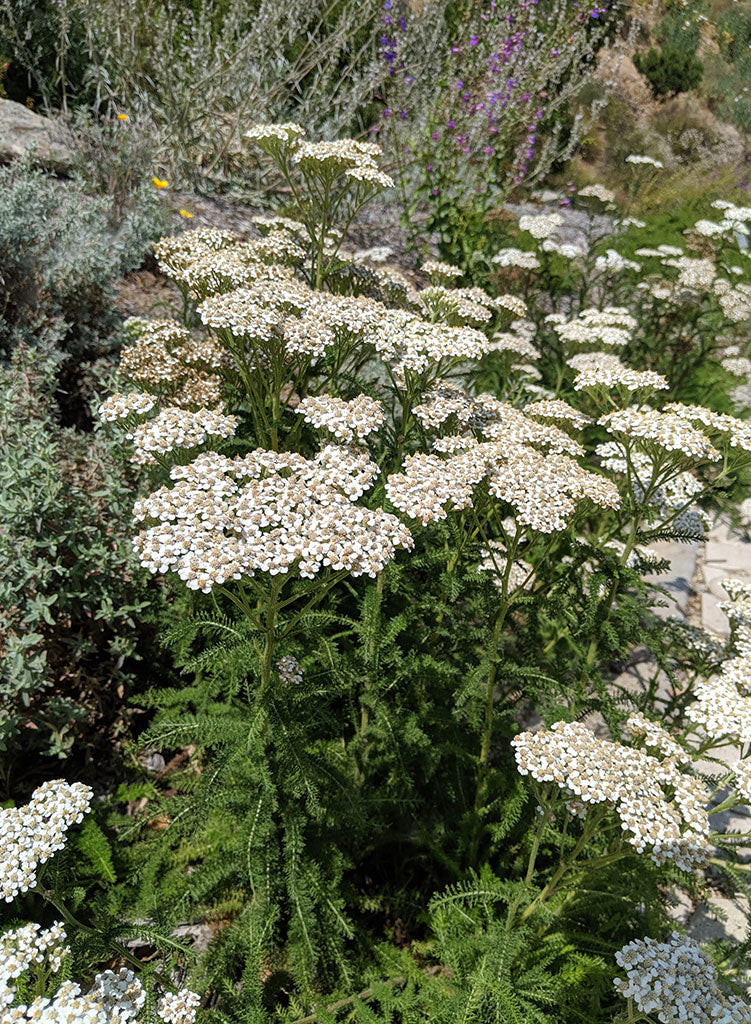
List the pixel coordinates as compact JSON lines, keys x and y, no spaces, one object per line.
{"x":591,"y":824}
{"x":487,"y":727}
{"x":115,"y":946}
{"x":368,"y":682}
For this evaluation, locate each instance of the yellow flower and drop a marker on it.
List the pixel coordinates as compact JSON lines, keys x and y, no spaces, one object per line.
{"x":160,"y":182}
{"x":185,"y":213}
{"x":122,"y":117}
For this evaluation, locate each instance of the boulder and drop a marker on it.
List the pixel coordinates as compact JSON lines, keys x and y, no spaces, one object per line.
{"x":22,"y":130}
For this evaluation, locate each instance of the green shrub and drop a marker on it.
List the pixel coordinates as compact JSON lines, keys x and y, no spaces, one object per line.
{"x":62,"y":252}
{"x":71,"y":603}
{"x":670,"y":70}
{"x":43,"y":43}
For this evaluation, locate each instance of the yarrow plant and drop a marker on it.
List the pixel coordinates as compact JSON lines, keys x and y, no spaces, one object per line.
{"x":394,"y":515}
{"x":29,"y":837}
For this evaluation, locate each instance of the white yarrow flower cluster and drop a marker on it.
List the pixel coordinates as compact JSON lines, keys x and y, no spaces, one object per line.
{"x":541,"y":225}
{"x":676,"y":982}
{"x":120,"y":406}
{"x":558,"y":410}
{"x":267,"y":512}
{"x":511,"y":257}
{"x":31,"y":834}
{"x":662,"y":809}
{"x":179,"y":1007}
{"x":435,"y":268}
{"x":543,"y":490}
{"x":624,"y":379}
{"x":31,"y":944}
{"x":347,"y":421}
{"x":723,"y":702}
{"x":597,"y":191}
{"x":175,"y":429}
{"x":665,"y":430}
{"x":613,"y":262}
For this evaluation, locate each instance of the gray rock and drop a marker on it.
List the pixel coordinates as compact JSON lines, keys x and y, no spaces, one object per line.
{"x":712,"y":616}
{"x":21,"y":130}
{"x":721,"y":918}
{"x":677,"y":581}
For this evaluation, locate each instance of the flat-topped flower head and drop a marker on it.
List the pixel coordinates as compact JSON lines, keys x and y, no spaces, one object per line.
{"x":347,"y":421}
{"x":568,"y":250}
{"x":120,"y":406}
{"x":666,"y":431}
{"x":675,"y":982}
{"x":365,"y":174}
{"x":736,"y":433}
{"x":31,"y":944}
{"x":115,"y":998}
{"x":436,"y":268}
{"x":542,"y":225}
{"x":657,"y":740}
{"x":511,"y":304}
{"x":120,"y":994}
{"x":734,"y":300}
{"x":511,"y":257}
{"x":624,"y":381}
{"x":31,"y":834}
{"x":340,"y":155}
{"x":410,"y":343}
{"x":611,"y":261}
{"x":487,"y":417}
{"x":662,"y":810}
{"x":516,"y":344}
{"x":608,"y":316}
{"x":178,"y":429}
{"x":595,"y":360}
{"x":179,"y":1007}
{"x":267,"y":223}
{"x":558,"y":410}
{"x":470,"y":306}
{"x":273,"y":136}
{"x":595,"y":328}
{"x":544,"y":491}
{"x":597,"y":191}
{"x":267,"y":512}
{"x":695,"y":274}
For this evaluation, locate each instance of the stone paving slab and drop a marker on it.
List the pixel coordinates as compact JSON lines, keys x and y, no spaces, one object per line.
{"x":678,"y":582}
{"x":723,"y":918}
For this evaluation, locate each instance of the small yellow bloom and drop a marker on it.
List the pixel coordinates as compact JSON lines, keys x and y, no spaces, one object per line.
{"x":185,"y":213}
{"x":160,"y":182}
{"x":122,"y":117}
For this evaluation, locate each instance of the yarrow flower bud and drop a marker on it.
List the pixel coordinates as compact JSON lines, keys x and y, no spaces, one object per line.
{"x":289,"y":669}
